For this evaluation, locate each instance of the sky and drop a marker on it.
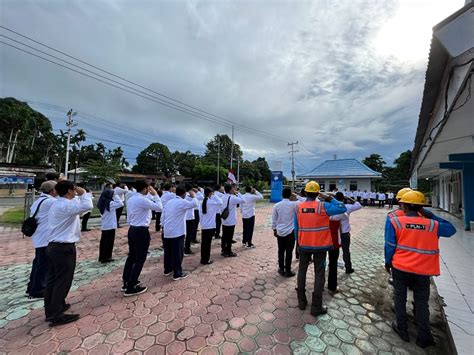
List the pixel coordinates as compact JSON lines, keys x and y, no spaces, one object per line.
{"x":340,"y":77}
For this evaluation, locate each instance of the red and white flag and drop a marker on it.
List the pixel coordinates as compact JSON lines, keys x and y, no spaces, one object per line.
{"x":231,"y":177}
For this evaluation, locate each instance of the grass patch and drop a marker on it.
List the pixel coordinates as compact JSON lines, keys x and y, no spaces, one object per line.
{"x":12,"y":216}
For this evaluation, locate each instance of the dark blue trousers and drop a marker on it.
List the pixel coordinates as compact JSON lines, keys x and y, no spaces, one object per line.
{"x":173,"y":258}
{"x":138,"y":243}
{"x":38,"y":273}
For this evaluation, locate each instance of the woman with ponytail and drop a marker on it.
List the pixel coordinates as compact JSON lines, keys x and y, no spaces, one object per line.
{"x":210,"y":207}
{"x":108,"y":204}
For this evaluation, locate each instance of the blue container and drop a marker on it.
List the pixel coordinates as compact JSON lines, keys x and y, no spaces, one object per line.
{"x":276,"y":186}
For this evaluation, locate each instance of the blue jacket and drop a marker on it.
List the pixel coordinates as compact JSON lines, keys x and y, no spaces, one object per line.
{"x":445,"y":229}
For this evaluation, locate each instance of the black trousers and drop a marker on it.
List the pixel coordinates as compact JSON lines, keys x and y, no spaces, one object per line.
{"x":196,"y":225}
{"x":206,"y":240}
{"x":158,"y":221}
{"x":39,"y":268}
{"x":106,"y":245}
{"x":366,"y":202}
{"x":138,"y":243}
{"x":118,"y":212}
{"x":173,"y":257}
{"x":319,"y":260}
{"x":189,"y":235}
{"x":390,"y":202}
{"x":85,"y":219}
{"x":372,"y":202}
{"x":61,"y":266}
{"x":359,"y":198}
{"x":421,"y":294}
{"x":218,"y":225}
{"x":286,"y":244}
{"x":332,"y":274}
{"x":248,"y":226}
{"x":227,"y":237}
{"x":346,"y":251}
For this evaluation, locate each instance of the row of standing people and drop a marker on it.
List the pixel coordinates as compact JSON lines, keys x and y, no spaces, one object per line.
{"x":371,"y":198}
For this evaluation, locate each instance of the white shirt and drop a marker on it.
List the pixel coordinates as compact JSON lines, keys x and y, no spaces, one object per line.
{"x":139,"y":209}
{"x":109,"y":218}
{"x":173,"y":217}
{"x":365,"y":195}
{"x":190,"y":213}
{"x":167,"y":195}
{"x":390,"y":195}
{"x":283,"y":217}
{"x":199,"y":197}
{"x":213,"y":205}
{"x":63,"y":219}
{"x":234,"y":200}
{"x":40,"y":236}
{"x":382,"y":197}
{"x":248,"y":208}
{"x":118,"y":191}
{"x":344,"y":217}
{"x":373,"y":195}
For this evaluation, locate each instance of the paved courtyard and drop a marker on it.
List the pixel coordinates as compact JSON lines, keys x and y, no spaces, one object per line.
{"x":237,"y":305}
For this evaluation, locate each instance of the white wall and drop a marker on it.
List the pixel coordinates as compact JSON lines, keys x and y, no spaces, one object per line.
{"x":341,"y":184}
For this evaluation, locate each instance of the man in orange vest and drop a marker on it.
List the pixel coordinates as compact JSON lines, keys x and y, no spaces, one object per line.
{"x":412,"y":256}
{"x":314,"y":240}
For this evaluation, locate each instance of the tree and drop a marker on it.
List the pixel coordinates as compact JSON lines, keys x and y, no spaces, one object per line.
{"x":224,"y":143}
{"x":102,"y":171}
{"x":264,"y":170}
{"x":184,"y":162}
{"x":155,"y":159}
{"x":375,"y":162}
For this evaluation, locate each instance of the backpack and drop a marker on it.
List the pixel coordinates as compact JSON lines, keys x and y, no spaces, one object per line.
{"x":225,"y":212}
{"x":30,"y":224}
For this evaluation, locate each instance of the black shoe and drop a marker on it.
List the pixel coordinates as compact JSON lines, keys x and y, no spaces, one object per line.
{"x":66,"y":307}
{"x":167,"y":273}
{"x":281,"y":272}
{"x":180,"y":277}
{"x":35,"y":298}
{"x":209,"y":262}
{"x":137,"y":290}
{"x":124,"y":286}
{"x":289,"y":274}
{"x":349,"y":271}
{"x":390,"y":281}
{"x":425,"y":343}
{"x":403,"y":334}
{"x":222,"y":253}
{"x":250,"y":246}
{"x":63,"y":319}
{"x":302,"y":300}
{"x":230,"y":255}
{"x":188,"y":253}
{"x":333,"y":292}
{"x":194,"y":242}
{"x":319,"y":312}
{"x":233,"y":242}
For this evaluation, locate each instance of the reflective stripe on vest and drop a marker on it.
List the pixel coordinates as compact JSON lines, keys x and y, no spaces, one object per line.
{"x":313,"y":226}
{"x":417,"y":248}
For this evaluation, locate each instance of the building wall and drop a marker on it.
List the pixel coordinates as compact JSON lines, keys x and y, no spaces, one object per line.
{"x":341,"y":184}
{"x":448,"y":192}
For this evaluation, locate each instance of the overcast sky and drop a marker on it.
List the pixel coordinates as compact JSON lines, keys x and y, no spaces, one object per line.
{"x":341,"y":77}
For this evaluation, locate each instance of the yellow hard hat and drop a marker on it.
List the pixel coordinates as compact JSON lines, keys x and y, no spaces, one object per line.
{"x":312,"y":186}
{"x":414,"y":198}
{"x":402,"y":192}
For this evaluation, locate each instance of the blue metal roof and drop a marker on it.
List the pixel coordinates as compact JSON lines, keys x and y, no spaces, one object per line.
{"x":342,"y":168}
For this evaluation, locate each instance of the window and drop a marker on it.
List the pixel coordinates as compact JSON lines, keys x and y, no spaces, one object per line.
{"x":321,"y":185}
{"x":353,"y":185}
{"x":332,"y":185}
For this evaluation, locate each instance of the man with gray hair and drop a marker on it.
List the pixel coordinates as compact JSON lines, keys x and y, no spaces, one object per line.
{"x":41,"y":206}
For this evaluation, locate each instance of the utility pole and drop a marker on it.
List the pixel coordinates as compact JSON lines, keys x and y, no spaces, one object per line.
{"x":70,"y":123}
{"x":292,"y":152}
{"x":218,"y":158}
{"x":232,"y":149}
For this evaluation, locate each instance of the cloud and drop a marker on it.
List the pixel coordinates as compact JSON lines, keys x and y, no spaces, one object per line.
{"x":320,"y":72}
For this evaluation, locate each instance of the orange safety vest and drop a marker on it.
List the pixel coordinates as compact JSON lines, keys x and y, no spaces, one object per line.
{"x":395,"y":213}
{"x":417,"y":248}
{"x":313,"y":226}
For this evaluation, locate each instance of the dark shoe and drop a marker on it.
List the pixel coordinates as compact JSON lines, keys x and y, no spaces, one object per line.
{"x":124,"y":286}
{"x":333,"y":292}
{"x":217,"y":237}
{"x":85,"y":230}
{"x":425,"y":343}
{"x":390,"y":281}
{"x":194,"y":242}
{"x":167,"y":273}
{"x":319,"y":312}
{"x":233,"y":242}
{"x":137,"y":290}
{"x":223,"y":254}
{"x":180,"y":277}
{"x":403,"y":334}
{"x":209,"y":262}
{"x":230,"y":255}
{"x":302,"y":300}
{"x":188,"y":253}
{"x":289,"y":274}
{"x":63,"y":319}
{"x":66,"y":307}
{"x":34,"y":298}
{"x":349,"y":271}
{"x":250,"y":246}
{"x":281,"y":272}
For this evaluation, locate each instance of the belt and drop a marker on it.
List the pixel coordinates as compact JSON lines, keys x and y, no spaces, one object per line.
{"x":61,"y":243}
{"x":141,"y":227}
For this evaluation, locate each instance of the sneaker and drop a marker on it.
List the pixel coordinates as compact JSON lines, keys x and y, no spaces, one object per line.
{"x":349,"y":271}
{"x":181,"y":277}
{"x":137,"y":290}
{"x":403,"y":334}
{"x":319,"y":312}
{"x":63,"y":319}
{"x":230,"y":255}
{"x":35,"y":298}
{"x":333,"y":292}
{"x":233,"y":242}
{"x":124,"y":286}
{"x":250,"y":246}
{"x":209,"y":262}
{"x":289,"y":274}
{"x":167,"y":273}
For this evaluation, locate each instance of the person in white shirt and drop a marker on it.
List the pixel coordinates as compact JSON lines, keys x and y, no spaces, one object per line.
{"x":230,"y":201}
{"x":167,"y":195}
{"x":190,"y":224}
{"x":219,"y":192}
{"x":381,"y":197}
{"x":197,"y":204}
{"x":251,"y":196}
{"x":139,"y":207}
{"x":390,"y":197}
{"x":365,"y":198}
{"x":174,"y":229}
{"x":40,"y":207}
{"x":211,"y":205}
{"x":64,"y":232}
{"x":358,"y":195}
{"x":283,"y":225}
{"x":107,"y":205}
{"x":121,"y":191}
{"x":373,"y":197}
{"x":85,"y":216}
{"x":345,"y":230}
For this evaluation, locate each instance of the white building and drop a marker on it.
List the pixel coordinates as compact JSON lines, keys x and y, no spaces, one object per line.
{"x":444,"y":143}
{"x":342,"y":174}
